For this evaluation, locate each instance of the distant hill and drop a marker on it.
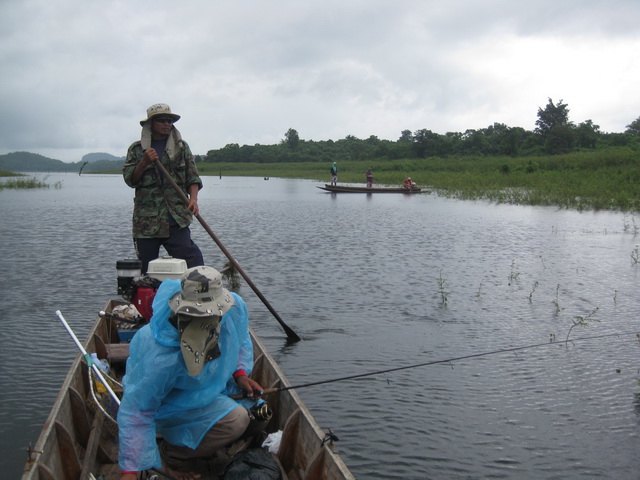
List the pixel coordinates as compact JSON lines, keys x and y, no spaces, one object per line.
{"x":96,"y":157}
{"x":32,"y":162}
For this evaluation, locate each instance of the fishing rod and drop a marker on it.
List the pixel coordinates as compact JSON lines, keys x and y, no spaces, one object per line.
{"x":268,"y":391}
{"x":291,"y":335}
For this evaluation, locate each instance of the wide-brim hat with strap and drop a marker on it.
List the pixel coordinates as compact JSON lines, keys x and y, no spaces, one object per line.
{"x":201,"y":294}
{"x":198,"y":308}
{"x":159,"y":109}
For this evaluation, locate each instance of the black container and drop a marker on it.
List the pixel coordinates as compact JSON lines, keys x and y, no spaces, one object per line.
{"x":128,"y":270}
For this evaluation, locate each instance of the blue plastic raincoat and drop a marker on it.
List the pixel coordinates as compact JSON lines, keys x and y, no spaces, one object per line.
{"x":160,"y":396}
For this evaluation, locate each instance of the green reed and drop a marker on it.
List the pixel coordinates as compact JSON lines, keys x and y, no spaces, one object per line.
{"x":582,"y":321}
{"x":442,"y":291}
{"x":607,"y":179}
{"x":26,"y":183}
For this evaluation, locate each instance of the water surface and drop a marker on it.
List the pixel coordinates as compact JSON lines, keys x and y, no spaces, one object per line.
{"x":370,"y":283}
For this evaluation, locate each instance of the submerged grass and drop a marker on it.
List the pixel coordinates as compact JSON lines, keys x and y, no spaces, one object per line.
{"x":607,"y":179}
{"x":26,"y":183}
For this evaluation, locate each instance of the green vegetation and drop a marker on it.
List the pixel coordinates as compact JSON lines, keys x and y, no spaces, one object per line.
{"x":5,"y":173}
{"x":557,"y":164}
{"x":582,"y":321}
{"x":590,"y":180}
{"x":554,"y":135}
{"x":22,"y":183}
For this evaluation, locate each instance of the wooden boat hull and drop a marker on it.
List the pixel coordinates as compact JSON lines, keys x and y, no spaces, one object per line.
{"x":77,"y":440}
{"x":353,"y":189}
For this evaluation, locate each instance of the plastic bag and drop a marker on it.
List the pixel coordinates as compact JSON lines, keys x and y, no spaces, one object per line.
{"x":253,"y":464}
{"x":272,"y":442}
{"x":103,"y":365}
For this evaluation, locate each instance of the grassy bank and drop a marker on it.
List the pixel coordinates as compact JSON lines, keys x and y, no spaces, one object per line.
{"x":5,"y":173}
{"x":607,"y":179}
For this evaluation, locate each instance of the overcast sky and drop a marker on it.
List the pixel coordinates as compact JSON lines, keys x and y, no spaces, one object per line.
{"x":78,"y":75}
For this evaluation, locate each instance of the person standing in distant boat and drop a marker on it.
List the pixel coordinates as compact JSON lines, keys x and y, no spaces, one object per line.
{"x":160,"y":216}
{"x":334,"y":174}
{"x":369,"y":175}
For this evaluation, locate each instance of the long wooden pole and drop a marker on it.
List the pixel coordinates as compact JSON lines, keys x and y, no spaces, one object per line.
{"x":288,"y":330}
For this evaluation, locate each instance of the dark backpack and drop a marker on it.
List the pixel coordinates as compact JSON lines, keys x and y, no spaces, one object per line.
{"x":253,"y":464}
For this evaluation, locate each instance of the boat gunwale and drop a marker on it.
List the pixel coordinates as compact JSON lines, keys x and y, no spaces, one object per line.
{"x":46,"y":457}
{"x":359,"y":189}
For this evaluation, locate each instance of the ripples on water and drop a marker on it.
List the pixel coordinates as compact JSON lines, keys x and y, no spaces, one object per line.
{"x":359,"y":279}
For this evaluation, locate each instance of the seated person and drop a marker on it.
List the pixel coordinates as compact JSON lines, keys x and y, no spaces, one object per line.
{"x":183,"y":366}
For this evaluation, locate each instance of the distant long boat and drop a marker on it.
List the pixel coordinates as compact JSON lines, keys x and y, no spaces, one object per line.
{"x":353,"y":189}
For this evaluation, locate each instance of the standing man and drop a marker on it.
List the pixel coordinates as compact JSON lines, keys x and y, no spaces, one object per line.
{"x":369,"y":176}
{"x":334,"y":174}
{"x":160,"y":217}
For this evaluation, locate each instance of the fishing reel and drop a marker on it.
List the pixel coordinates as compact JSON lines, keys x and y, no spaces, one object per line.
{"x":261,"y":412}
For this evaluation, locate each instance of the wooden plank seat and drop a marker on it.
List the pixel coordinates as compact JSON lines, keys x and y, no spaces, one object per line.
{"x":117,"y":352}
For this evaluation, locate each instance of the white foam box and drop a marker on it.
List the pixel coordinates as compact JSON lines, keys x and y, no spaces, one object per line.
{"x":166,"y":267}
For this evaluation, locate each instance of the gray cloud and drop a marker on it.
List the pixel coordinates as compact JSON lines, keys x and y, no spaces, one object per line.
{"x":78,"y":76}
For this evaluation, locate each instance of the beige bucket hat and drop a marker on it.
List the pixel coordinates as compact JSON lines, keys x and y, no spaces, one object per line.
{"x":201,"y":294}
{"x":159,"y":109}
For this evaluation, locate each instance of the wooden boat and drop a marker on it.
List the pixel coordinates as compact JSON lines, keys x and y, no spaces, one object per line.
{"x":79,"y":442}
{"x":354,"y":189}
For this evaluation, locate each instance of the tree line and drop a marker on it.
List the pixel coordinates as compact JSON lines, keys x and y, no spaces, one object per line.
{"x":554,"y":134}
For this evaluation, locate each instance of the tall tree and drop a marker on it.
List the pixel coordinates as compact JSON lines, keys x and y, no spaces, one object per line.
{"x":634,"y":127}
{"x":406,"y":136}
{"x":561,"y":139}
{"x":553,"y":115}
{"x":291,"y":138}
{"x":429,"y":144}
{"x":587,"y":133}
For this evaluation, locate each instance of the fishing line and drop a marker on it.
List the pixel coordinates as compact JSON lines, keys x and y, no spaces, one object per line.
{"x":448,"y":360}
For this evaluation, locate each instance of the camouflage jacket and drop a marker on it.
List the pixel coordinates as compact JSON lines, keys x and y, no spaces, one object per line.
{"x":155,"y":197}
